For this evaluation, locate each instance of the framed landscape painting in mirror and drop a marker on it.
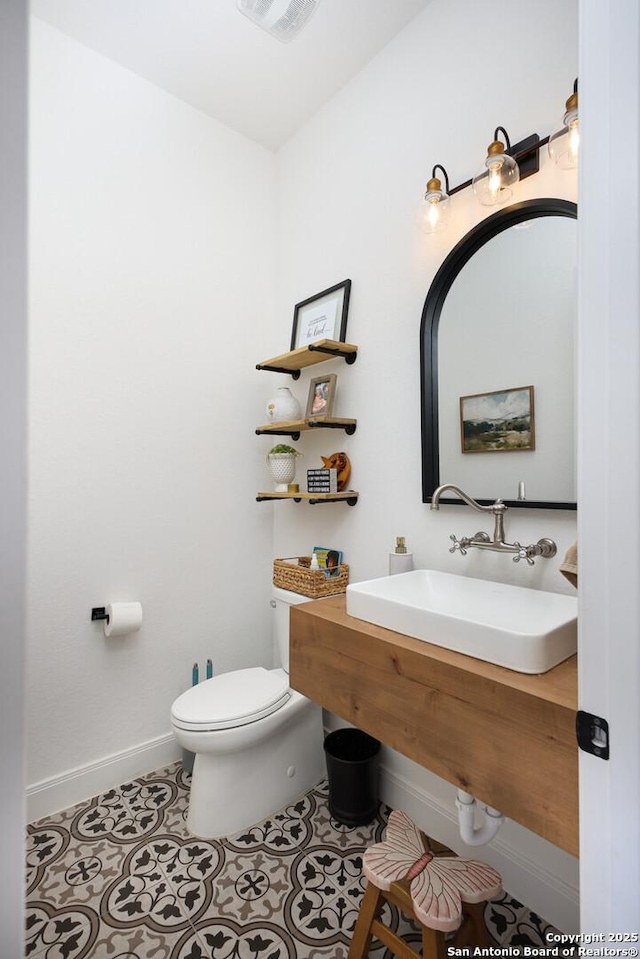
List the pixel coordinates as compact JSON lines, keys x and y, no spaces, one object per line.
{"x":498,"y":422}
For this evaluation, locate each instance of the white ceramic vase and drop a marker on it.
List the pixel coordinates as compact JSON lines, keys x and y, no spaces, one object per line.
{"x":283,"y":407}
{"x":283,"y":469}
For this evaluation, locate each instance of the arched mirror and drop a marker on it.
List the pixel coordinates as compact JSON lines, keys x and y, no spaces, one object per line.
{"x":497,"y":361}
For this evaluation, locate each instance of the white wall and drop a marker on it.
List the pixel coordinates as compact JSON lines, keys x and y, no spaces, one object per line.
{"x":152,"y":279}
{"x":349,"y":185}
{"x":13,"y":441}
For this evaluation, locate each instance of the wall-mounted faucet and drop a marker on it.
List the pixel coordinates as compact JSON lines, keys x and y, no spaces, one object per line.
{"x":544,"y":547}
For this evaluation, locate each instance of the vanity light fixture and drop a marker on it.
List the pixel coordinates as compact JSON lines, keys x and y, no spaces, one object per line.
{"x":494,"y":182}
{"x":504,"y":167}
{"x":434,"y":210}
{"x":564,"y":143}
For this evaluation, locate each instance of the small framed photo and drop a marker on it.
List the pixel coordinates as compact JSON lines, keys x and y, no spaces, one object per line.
{"x":498,"y":422}
{"x":322,"y":317}
{"x":322,"y":393}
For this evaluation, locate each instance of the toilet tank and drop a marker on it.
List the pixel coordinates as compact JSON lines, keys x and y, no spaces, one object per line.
{"x":281,"y":602}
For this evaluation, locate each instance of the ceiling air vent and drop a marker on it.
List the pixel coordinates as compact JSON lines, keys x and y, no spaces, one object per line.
{"x":283,"y":19}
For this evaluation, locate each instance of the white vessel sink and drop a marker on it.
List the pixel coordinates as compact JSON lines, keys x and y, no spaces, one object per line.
{"x":526,"y":630}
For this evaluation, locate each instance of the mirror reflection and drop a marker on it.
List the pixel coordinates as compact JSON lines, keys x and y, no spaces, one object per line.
{"x":498,"y":361}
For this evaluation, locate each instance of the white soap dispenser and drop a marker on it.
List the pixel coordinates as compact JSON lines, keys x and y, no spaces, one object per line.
{"x":400,"y":561}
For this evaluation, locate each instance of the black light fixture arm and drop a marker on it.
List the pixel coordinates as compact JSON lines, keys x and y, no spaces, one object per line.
{"x":438,"y":166}
{"x":504,"y":134}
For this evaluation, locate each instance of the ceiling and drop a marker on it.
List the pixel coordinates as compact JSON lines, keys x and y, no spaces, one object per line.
{"x":207,"y":53}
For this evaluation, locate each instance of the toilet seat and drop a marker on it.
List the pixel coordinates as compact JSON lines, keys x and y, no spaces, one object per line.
{"x":232,"y":699}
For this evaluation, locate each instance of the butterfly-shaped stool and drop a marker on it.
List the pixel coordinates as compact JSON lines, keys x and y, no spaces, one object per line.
{"x":428,"y":883}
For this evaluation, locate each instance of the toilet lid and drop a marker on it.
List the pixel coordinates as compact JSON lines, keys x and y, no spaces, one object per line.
{"x":231,"y":699}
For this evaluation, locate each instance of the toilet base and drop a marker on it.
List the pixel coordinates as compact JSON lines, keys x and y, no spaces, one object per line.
{"x":234,"y":790}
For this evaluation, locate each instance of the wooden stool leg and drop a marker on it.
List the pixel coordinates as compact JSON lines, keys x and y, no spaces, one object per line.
{"x":478,"y":930}
{"x":432,"y":944}
{"x":370,"y":907}
{"x":473,"y":931}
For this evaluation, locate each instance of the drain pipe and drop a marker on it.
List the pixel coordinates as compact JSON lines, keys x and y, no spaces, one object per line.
{"x":469,"y":833}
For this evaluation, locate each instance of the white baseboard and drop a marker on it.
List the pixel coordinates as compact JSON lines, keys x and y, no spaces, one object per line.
{"x":75,"y":785}
{"x":533,"y":881}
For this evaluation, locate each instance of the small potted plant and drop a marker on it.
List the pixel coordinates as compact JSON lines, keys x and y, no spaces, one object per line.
{"x":281,"y":460}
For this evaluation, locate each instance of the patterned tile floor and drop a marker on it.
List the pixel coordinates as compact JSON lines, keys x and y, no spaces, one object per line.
{"x":119,"y":877}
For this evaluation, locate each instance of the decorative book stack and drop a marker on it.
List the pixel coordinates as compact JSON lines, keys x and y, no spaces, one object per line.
{"x":322,"y":481}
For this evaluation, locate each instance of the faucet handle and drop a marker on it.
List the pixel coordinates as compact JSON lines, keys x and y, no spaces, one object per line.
{"x":523,"y":553}
{"x":459,"y":544}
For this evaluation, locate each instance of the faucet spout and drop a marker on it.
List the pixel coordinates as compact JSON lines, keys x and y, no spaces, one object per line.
{"x":496,"y":508}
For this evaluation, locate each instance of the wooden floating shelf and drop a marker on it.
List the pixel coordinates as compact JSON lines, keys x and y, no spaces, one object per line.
{"x":293,"y":428}
{"x":350,"y":497}
{"x":296,"y":360}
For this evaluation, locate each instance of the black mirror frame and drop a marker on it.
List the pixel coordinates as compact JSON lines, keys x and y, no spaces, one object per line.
{"x":442,"y":282}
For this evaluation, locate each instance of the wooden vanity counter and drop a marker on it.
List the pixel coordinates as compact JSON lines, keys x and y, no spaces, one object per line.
{"x":507,"y":738}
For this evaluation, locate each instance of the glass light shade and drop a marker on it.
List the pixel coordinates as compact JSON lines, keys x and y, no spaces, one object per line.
{"x":564,"y":144}
{"x":433,"y":215}
{"x":494,"y":182}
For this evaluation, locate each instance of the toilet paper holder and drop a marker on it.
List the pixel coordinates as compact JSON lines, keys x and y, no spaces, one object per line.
{"x":119,"y":619}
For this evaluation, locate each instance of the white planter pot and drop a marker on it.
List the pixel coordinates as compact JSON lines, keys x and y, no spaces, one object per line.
{"x":283,"y":469}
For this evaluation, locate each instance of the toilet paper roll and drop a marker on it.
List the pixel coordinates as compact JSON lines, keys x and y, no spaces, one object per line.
{"x":124,"y":618}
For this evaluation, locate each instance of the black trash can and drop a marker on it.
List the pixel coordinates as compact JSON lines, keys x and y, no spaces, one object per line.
{"x":352,"y":769}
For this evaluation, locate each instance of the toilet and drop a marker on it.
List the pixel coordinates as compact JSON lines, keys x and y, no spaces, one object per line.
{"x":258,"y":744}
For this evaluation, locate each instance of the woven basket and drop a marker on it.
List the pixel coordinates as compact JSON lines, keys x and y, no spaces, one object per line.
{"x":295,"y":575}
